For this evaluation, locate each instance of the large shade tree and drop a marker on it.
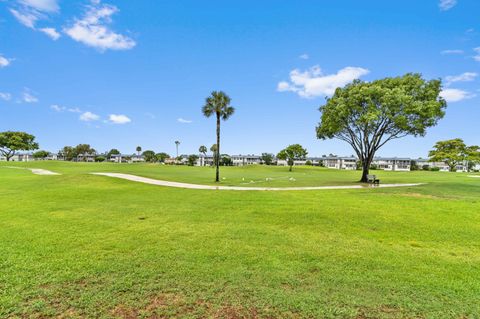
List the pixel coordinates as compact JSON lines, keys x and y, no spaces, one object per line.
{"x":12,"y":142}
{"x":367,"y":115}
{"x":218,"y":105}
{"x":291,"y":153}
{"x":454,"y":152}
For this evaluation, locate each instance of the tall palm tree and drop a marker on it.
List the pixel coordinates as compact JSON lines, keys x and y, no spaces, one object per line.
{"x":218,"y":104}
{"x":176,"y":144}
{"x":138,"y":149}
{"x":203,"y":150}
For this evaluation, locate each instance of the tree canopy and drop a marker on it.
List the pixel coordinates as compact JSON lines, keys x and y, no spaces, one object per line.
{"x":367,"y":115}
{"x":454,"y":152}
{"x":149,"y":156}
{"x":291,"y":153}
{"x":161,"y":157}
{"x":41,"y":154}
{"x":267,"y":158}
{"x":12,"y":142}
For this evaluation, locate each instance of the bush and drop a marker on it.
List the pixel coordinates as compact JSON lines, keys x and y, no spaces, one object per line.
{"x":373,"y":167}
{"x":100,"y":159}
{"x":425,"y":167}
{"x":434,"y":169}
{"x":309,"y":163}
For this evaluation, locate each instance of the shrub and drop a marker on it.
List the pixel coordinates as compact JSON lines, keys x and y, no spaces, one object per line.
{"x":100,"y":159}
{"x":434,"y":169}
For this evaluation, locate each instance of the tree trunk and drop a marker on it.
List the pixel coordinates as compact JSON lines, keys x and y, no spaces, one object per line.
{"x":217,"y":159}
{"x":365,"y":171}
{"x":290,"y":169}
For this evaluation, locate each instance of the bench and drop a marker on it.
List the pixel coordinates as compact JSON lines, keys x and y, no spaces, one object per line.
{"x":372,"y":179}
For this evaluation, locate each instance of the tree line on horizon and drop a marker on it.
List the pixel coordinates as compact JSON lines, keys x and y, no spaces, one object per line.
{"x":366,"y":115}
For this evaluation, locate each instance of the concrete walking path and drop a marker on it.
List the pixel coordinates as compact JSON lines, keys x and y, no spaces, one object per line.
{"x":151,"y":181}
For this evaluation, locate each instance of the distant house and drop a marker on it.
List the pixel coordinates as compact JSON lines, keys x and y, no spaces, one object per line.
{"x":392,"y":163}
{"x":19,"y":158}
{"x":336,"y":162}
{"x":442,"y":166}
{"x":244,"y":160}
{"x":297,"y":162}
{"x":85,"y":158}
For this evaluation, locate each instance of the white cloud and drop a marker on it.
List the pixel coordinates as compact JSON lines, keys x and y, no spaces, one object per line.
{"x":477,"y":56}
{"x":74,"y":110}
{"x":89,"y":117}
{"x":464,"y":77}
{"x":5,"y":96}
{"x":51,"y":32}
{"x":29,"y":97}
{"x":448,"y":52}
{"x":312,"y":82}
{"x":41,"y":5}
{"x":28,"y":19}
{"x":119,"y":119}
{"x":184,"y":121}
{"x":4,"y":62}
{"x":92,"y":30}
{"x":57,"y":108}
{"x":447,"y":4}
{"x":304,"y":56}
{"x":456,"y":95}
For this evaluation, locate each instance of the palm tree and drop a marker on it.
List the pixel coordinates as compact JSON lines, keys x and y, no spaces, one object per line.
{"x":203,"y":150}
{"x":138,"y":149}
{"x":176,"y":144}
{"x":218,"y":103}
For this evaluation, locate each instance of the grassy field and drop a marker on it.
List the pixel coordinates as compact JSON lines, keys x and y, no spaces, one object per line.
{"x":78,"y":245}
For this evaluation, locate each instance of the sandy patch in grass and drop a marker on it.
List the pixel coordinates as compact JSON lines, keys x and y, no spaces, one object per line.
{"x":36,"y":171}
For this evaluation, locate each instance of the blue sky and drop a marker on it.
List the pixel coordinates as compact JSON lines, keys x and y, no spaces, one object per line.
{"x":127,"y":73}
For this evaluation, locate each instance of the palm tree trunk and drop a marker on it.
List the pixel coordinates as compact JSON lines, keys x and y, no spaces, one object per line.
{"x":217,"y":159}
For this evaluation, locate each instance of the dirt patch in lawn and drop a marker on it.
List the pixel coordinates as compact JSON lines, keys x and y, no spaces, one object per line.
{"x":170,"y":305}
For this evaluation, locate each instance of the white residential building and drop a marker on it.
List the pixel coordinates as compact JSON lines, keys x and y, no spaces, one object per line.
{"x":392,"y":163}
{"x":337,"y":162}
{"x":244,"y":160}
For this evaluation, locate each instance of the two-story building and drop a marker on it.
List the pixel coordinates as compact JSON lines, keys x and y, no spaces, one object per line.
{"x":392,"y":163}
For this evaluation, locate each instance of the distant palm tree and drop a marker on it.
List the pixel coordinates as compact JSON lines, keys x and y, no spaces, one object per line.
{"x":138,"y":149}
{"x":176,"y":144}
{"x":203,"y":150}
{"x":218,"y":103}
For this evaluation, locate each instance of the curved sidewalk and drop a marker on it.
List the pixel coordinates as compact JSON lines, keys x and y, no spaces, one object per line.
{"x":151,"y":181}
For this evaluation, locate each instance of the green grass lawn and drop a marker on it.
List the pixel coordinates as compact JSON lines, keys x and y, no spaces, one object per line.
{"x":79,"y":245}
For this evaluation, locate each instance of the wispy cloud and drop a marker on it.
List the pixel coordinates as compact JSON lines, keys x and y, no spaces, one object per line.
{"x":41,"y":5}
{"x":4,"y":61}
{"x":445,"y":5}
{"x":57,"y":108}
{"x":476,"y":57}
{"x":89,"y":117}
{"x":464,"y":77}
{"x":313,"y":83}
{"x":51,"y":32}
{"x":304,"y":56}
{"x":93,"y":29}
{"x":28,"y":97}
{"x":5,"y":96}
{"x":119,"y":119}
{"x":184,"y":121}
{"x":456,"y":95}
{"x":29,"y":12}
{"x":451,"y":52}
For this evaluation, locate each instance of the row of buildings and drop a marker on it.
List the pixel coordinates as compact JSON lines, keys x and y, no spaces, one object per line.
{"x":334,"y":162}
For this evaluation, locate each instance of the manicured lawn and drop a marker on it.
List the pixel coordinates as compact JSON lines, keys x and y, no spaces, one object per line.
{"x":78,"y":245}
